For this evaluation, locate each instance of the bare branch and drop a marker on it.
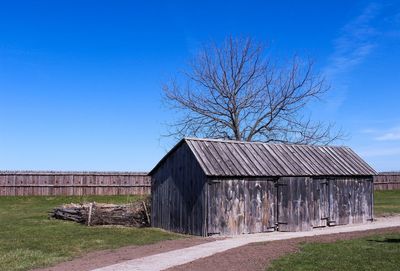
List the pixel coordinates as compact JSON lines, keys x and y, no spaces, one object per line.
{"x":233,"y":92}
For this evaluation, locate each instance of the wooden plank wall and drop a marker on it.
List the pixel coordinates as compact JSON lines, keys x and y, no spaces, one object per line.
{"x":226,"y":213}
{"x":238,"y":206}
{"x":387,"y":181}
{"x":295,"y":204}
{"x":260,"y":205}
{"x":306,"y":203}
{"x":21,"y":183}
{"x":350,"y":201}
{"x":178,"y":194}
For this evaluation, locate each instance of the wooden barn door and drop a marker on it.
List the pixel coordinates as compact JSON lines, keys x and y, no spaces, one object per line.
{"x":260,"y":206}
{"x":282,"y":204}
{"x":226,"y":207}
{"x":350,"y":200}
{"x":293,"y":204}
{"x":241,"y":206}
{"x":302,"y":203}
{"x":319,"y":203}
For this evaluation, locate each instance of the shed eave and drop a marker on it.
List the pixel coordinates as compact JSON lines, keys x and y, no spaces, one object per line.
{"x":218,"y":176}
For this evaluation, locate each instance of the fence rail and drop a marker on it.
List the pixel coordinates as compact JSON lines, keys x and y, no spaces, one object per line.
{"x":387,"y":181}
{"x":53,"y":183}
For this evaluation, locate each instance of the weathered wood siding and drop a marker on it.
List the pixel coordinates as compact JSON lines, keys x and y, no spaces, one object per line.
{"x":319,"y":198}
{"x":178,"y":196}
{"x":260,"y":205}
{"x":294,"y":204}
{"x":241,"y":206}
{"x":305,"y":203}
{"x":23,"y":183}
{"x":237,"y":206}
{"x":350,"y":200}
{"x":387,"y":181}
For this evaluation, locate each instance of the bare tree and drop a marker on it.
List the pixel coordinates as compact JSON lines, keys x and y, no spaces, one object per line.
{"x":235,"y":91}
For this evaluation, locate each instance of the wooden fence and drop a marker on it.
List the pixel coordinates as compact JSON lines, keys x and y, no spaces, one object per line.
{"x":387,"y":181}
{"x":48,"y":183}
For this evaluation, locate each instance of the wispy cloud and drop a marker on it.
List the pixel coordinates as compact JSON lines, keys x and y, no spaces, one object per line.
{"x":391,"y":135}
{"x":356,"y":41}
{"x":360,"y":36}
{"x":368,"y":131}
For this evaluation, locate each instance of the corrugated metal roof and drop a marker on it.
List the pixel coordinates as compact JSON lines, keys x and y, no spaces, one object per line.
{"x":237,"y":158}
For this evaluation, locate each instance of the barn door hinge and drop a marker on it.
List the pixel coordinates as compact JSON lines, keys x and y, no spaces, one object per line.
{"x":331,"y":222}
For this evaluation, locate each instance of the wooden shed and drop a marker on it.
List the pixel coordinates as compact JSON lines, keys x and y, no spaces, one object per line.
{"x":206,"y":187}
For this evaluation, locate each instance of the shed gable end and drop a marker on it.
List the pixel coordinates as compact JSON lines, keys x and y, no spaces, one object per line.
{"x":177,"y":189}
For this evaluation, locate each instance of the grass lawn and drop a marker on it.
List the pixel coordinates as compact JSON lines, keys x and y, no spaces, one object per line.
{"x":379,"y":252}
{"x":387,"y":202}
{"x":29,"y":239}
{"x":369,"y":253}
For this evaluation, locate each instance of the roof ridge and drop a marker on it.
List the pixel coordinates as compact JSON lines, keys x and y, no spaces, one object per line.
{"x":258,"y":142}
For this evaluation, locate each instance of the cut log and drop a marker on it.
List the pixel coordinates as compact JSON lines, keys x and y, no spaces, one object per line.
{"x":135,"y":214}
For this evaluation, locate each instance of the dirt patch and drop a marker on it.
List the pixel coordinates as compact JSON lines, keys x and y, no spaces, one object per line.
{"x":103,"y":258}
{"x":257,"y":256}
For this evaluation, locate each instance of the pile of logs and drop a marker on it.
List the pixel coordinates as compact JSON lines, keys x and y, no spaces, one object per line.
{"x":135,"y":214}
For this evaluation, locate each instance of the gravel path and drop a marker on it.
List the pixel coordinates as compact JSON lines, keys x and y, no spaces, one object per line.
{"x":259,"y":256}
{"x":178,"y":257}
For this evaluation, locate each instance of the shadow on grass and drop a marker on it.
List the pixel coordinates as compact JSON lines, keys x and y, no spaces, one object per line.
{"x":387,"y":240}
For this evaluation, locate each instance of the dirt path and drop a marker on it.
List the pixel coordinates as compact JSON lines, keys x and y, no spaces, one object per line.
{"x":102,"y":258}
{"x":178,"y":257}
{"x":244,"y":252}
{"x":258,"y":256}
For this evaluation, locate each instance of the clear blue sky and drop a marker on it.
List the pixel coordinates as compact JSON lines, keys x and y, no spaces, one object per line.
{"x":80,"y":81}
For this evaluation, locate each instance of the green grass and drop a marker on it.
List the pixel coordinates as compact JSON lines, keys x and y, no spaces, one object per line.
{"x":380,"y":252}
{"x":28,"y":239}
{"x":370,"y":253}
{"x":387,"y":202}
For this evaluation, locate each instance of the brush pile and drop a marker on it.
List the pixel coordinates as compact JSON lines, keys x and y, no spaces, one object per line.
{"x":136,"y":214}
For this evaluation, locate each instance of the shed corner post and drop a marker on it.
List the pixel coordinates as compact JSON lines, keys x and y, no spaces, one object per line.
{"x":331,"y":216}
{"x":372,"y":199}
{"x":206,"y":194}
{"x":276,"y":202}
{"x":152,"y":215}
